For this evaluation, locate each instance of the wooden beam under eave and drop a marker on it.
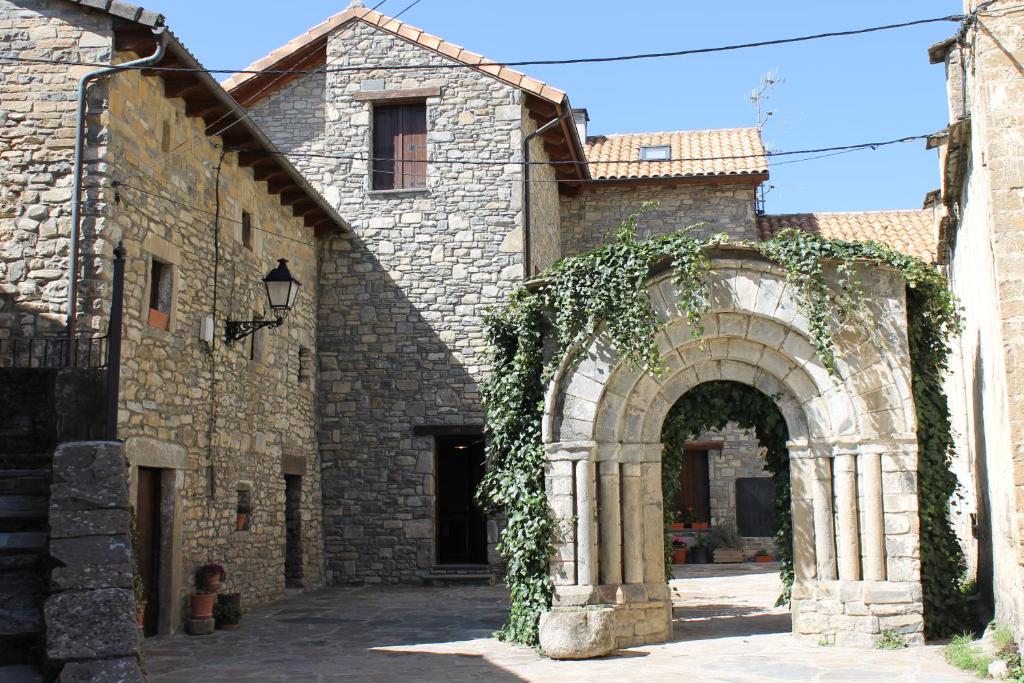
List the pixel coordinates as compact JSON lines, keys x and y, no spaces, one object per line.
{"x":185,"y":88}
{"x":233,"y":137}
{"x":208,"y":109}
{"x":268,"y":171}
{"x":291,"y":198}
{"x":246,"y":159}
{"x":313,"y":219}
{"x":324,"y":227}
{"x":279,"y":186}
{"x":301,"y":208}
{"x":545,"y":110}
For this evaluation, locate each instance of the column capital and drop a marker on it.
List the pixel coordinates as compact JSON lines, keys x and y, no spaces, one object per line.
{"x":570,"y":450}
{"x":640,"y":452}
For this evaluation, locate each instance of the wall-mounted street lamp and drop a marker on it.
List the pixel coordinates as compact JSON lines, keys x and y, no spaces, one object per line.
{"x":282,"y":290}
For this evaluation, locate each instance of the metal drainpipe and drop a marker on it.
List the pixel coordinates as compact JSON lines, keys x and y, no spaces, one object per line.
{"x":526,"y":190}
{"x":76,"y":193}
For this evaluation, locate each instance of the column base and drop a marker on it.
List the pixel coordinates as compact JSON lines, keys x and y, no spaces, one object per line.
{"x":855,"y":613}
{"x":642,"y":613}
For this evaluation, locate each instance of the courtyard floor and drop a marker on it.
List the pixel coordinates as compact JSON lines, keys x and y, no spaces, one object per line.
{"x":726,"y":630}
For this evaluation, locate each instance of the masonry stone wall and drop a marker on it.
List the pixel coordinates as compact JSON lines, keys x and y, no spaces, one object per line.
{"x":985,"y":271}
{"x":403,"y":297}
{"x":216,"y":418}
{"x":545,"y":219}
{"x":37,"y":139}
{"x":590,"y":218}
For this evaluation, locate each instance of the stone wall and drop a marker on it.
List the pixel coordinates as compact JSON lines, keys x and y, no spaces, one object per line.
{"x":590,"y":219}
{"x":37,"y":139}
{"x":91,"y":632}
{"x":545,"y":219}
{"x":985,"y":271}
{"x":401,"y":332}
{"x":739,"y":457}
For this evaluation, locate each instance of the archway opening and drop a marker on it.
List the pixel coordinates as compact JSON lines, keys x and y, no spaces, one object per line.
{"x":727,"y":504}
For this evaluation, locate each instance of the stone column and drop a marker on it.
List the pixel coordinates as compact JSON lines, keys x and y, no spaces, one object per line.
{"x":848,"y":533}
{"x":632,"y":523}
{"x":801,"y":476}
{"x":872,"y":515}
{"x":560,"y":486}
{"x":586,"y":524}
{"x":824,"y":528}
{"x":610,"y":517}
{"x":654,"y":524}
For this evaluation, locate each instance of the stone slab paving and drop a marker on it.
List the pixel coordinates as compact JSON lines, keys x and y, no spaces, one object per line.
{"x":726,"y":630}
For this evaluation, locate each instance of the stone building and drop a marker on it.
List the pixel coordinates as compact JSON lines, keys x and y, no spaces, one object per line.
{"x":219,"y":437}
{"x":344,"y":447}
{"x":980,"y":215}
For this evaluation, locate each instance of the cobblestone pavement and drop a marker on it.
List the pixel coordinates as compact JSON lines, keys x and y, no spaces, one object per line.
{"x":725,"y":631}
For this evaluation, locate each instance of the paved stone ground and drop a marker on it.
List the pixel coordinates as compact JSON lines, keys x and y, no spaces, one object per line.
{"x":725,"y":631}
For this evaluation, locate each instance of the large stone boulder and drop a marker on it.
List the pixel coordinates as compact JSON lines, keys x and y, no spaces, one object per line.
{"x":577,"y":632}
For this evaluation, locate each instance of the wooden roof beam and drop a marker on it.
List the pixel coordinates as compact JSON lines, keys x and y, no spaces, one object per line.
{"x":290,"y":198}
{"x":183,"y":88}
{"x":277,"y":186}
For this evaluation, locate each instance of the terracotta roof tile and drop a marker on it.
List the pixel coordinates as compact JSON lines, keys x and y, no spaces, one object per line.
{"x":693,"y":153}
{"x":911,"y":232}
{"x":407,"y":32}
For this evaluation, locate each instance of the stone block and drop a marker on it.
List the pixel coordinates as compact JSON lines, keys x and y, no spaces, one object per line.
{"x":577,"y":633}
{"x":119,"y":670}
{"x":73,"y":523}
{"x":91,"y":577}
{"x":91,"y":550}
{"x":91,"y":624}
{"x":199,"y":627}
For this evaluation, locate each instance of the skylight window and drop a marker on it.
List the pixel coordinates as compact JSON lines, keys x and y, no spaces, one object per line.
{"x":655,"y":153}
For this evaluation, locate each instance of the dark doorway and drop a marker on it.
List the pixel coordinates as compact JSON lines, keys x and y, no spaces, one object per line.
{"x":147,"y":544}
{"x":293,"y":531}
{"x":461,"y":525}
{"x":694,"y":486}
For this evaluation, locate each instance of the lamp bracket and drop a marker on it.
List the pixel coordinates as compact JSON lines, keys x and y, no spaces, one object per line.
{"x":238,"y":330}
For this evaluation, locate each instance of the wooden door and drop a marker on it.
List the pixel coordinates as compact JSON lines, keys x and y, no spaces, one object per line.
{"x":148,"y":533}
{"x":694,"y":487}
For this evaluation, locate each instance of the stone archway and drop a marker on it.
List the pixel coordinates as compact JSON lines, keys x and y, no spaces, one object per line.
{"x":853,"y":458}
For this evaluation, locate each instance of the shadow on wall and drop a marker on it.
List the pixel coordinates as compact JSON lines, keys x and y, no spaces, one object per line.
{"x":707,"y":622}
{"x":386,"y":367}
{"x":984,"y":610}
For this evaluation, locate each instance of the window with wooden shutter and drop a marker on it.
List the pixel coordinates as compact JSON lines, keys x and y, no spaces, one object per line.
{"x":400,"y":147}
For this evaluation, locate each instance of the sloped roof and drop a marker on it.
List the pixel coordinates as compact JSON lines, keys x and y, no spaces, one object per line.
{"x":719,"y":152}
{"x":226,"y":118}
{"x":912,"y":232}
{"x":440,"y":46}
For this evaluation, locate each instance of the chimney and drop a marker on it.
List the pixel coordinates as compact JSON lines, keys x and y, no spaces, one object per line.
{"x":580,"y":118}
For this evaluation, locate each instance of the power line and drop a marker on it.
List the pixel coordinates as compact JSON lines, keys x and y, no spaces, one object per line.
{"x":156,"y":195}
{"x":526,"y":62}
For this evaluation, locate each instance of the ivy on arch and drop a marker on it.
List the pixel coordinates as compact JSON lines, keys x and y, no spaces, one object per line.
{"x":711,"y":406}
{"x":606,"y":289}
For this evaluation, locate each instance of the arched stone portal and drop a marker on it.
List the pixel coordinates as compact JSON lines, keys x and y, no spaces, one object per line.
{"x":853,"y":457}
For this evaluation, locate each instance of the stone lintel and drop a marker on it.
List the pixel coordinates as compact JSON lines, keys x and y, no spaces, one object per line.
{"x":293,"y":464}
{"x":570,"y":450}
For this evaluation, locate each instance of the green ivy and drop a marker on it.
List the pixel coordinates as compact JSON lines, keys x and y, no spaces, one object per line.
{"x":560,"y":310}
{"x":713,"y":405}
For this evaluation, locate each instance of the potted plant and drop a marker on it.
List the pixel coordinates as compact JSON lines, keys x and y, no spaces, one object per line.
{"x":209,"y":576}
{"x":700,"y":525}
{"x":678,"y":550}
{"x":698,"y":553}
{"x":139,"y":588}
{"x":728,"y":547}
{"x":763,"y":555}
{"x":228,"y":610}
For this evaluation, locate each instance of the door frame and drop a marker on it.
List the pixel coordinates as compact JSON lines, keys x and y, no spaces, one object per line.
{"x":467,"y":432}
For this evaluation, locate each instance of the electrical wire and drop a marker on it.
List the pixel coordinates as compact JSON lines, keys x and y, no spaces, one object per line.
{"x":956,"y":18}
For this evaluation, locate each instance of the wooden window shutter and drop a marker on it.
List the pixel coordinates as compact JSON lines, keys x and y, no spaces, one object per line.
{"x":414,"y":146}
{"x":400,"y":147}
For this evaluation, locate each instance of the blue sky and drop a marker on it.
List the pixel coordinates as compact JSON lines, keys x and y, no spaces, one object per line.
{"x":837,"y":91}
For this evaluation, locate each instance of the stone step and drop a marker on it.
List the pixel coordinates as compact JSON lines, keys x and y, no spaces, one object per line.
{"x":20,"y":542}
{"x":31,"y":459}
{"x":20,"y":622}
{"x":20,"y":673}
{"x":18,"y":507}
{"x":24,"y":482}
{"x":459,"y":579}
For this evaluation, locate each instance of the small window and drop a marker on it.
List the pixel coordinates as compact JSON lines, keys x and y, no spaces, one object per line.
{"x":247,"y":230}
{"x":655,"y":153}
{"x":243,"y":510}
{"x":305,"y":365}
{"x":211,"y":483}
{"x":400,"y":147}
{"x":161,"y":284}
{"x":165,"y":137}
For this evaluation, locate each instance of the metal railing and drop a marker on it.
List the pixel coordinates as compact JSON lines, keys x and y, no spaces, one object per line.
{"x":72,"y":351}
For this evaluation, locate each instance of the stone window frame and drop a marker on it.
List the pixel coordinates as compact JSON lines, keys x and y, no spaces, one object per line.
{"x":160,"y":250}
{"x":428,"y":97}
{"x":244,"y":486}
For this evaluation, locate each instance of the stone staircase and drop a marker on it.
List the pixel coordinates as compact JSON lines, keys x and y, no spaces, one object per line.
{"x":27,"y":439}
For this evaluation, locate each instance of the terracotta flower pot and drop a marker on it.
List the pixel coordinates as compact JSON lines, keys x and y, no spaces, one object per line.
{"x":140,"y":612}
{"x":679,"y":556}
{"x":676,"y":526}
{"x":762,"y":558}
{"x":700,"y":525}
{"x":159,"y":319}
{"x":202,"y":605}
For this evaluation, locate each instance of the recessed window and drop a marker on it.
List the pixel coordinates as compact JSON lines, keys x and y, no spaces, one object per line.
{"x":165,"y":137}
{"x":305,"y":365}
{"x":161,"y":284}
{"x":247,"y":229}
{"x":655,"y":153}
{"x":400,"y":147}
{"x":243,"y":510}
